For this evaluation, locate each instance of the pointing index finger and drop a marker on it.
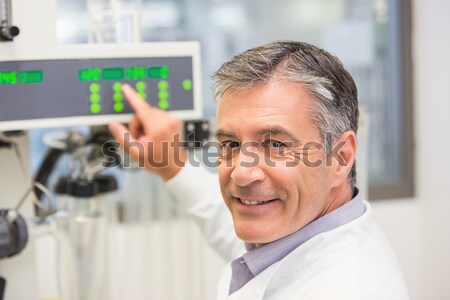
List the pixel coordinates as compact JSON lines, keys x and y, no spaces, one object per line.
{"x":140,"y":107}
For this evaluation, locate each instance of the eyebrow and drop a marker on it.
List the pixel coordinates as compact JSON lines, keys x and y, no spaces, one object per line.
{"x":223,"y":133}
{"x":278,"y":131}
{"x":273,"y":130}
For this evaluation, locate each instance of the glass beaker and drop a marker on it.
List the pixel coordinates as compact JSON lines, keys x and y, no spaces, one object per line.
{"x":82,"y":249}
{"x":114,"y":21}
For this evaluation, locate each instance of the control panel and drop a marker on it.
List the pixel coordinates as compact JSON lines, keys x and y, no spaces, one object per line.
{"x":87,"y":89}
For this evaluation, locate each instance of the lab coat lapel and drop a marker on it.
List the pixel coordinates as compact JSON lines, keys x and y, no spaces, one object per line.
{"x":252,"y":290}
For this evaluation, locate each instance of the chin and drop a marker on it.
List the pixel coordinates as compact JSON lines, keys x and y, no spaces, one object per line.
{"x":252,"y":235}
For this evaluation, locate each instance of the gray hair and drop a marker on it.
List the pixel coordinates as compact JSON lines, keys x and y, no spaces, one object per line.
{"x":322,"y":74}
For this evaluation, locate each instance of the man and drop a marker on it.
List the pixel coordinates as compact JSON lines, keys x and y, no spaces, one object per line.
{"x":287,"y":123}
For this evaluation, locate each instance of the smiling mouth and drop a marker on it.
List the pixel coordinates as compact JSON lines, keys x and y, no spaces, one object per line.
{"x":252,"y":202}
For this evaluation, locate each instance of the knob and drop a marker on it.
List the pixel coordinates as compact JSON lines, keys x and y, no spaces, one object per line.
{"x":9,"y":32}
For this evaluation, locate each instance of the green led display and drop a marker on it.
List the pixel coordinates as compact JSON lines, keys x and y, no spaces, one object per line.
{"x":9,"y":77}
{"x":112,"y":73}
{"x":135,"y":73}
{"x":159,"y":72}
{"x":35,"y":76}
{"x":89,"y":74}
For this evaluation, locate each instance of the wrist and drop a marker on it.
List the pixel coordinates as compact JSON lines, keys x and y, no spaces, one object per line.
{"x":175,"y":166}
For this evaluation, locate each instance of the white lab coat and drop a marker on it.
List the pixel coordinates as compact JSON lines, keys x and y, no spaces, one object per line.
{"x":353,"y":261}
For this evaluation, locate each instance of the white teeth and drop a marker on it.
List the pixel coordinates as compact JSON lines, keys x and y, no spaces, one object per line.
{"x":248,"y":202}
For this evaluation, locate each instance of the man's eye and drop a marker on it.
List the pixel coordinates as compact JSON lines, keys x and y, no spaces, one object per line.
{"x":274,"y":144}
{"x":229,"y":145}
{"x":228,"y":149}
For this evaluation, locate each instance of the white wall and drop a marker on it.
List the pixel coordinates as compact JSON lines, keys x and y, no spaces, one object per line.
{"x":419,"y":228}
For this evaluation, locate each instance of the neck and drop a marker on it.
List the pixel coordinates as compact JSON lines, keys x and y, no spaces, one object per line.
{"x":338,"y":197}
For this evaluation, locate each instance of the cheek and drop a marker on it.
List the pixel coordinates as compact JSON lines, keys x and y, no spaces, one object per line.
{"x":300,"y":182}
{"x":224,"y":174}
{"x":289,"y":180}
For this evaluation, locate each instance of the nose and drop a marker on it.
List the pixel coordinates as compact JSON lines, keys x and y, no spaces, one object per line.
{"x":247,"y":168}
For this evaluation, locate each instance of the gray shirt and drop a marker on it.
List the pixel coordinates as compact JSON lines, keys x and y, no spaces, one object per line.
{"x":257,"y":260}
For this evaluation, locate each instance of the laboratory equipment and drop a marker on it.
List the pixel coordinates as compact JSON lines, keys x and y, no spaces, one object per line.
{"x":114,"y":21}
{"x":79,"y":215}
{"x":13,"y":238}
{"x":7,"y":31}
{"x":13,"y":233}
{"x":64,"y":99}
{"x":81,"y":85}
{"x":81,"y":230}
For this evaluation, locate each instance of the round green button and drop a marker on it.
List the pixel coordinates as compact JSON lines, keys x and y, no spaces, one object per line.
{"x":163,"y":95}
{"x":117,"y":87}
{"x":94,"y":88}
{"x":163,"y":85}
{"x":118,"y":97}
{"x":187,"y":84}
{"x":141,"y":86}
{"x":143,"y":95}
{"x":95,"y":108}
{"x":95,"y":98}
{"x":163,"y":105}
{"x":118,"y":107}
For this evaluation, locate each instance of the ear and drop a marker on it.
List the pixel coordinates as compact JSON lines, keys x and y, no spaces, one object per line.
{"x":343,"y":157}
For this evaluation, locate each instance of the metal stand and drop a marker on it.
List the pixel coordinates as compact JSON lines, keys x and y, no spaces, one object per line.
{"x":7,"y":31}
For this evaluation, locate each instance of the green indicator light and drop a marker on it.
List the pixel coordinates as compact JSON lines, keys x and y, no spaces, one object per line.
{"x":118,"y":107}
{"x":163,"y":95}
{"x":143,"y":95}
{"x":118,"y":97}
{"x":141,"y":86}
{"x":117,"y":87}
{"x":135,"y":73}
{"x":95,"y":98}
{"x":89,"y":74}
{"x":163,"y":85}
{"x":95,"y":108}
{"x":35,"y":76}
{"x":9,"y":77}
{"x":112,"y":73}
{"x":187,"y":84}
{"x":94,"y":88}
{"x":163,"y":105}
{"x":159,"y":72}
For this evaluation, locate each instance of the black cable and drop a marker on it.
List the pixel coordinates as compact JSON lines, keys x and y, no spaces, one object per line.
{"x":45,"y":170}
{"x":5,"y":144}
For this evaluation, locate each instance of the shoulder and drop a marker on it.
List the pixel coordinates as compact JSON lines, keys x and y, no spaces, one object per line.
{"x":354,"y":261}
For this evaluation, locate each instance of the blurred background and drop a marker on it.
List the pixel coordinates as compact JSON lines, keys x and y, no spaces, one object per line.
{"x":397,"y":52}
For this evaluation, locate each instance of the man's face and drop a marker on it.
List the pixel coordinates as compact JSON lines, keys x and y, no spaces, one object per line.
{"x":270,"y":179}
